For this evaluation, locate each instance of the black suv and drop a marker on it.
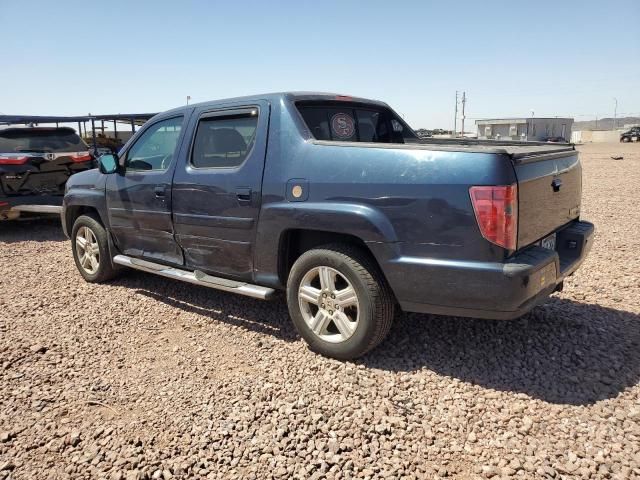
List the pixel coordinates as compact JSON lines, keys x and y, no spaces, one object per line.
{"x":36,"y":162}
{"x":632,"y":135}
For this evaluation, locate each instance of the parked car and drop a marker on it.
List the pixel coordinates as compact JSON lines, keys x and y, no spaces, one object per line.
{"x":556,"y":140}
{"x":35,"y":164}
{"x":336,"y":201}
{"x":631,"y":135}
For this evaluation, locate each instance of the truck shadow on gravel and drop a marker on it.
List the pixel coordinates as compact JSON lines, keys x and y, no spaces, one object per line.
{"x":269,"y":318}
{"x":45,"y":229}
{"x":563,"y":352}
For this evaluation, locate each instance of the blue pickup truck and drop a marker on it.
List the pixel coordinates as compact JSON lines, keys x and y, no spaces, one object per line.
{"x":335,"y":200}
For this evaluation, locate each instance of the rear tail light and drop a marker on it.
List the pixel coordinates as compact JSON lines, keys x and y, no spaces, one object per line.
{"x":496,"y":210}
{"x":81,"y":157}
{"x":13,"y":160}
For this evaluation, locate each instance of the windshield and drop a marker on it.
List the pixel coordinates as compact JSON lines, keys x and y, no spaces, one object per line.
{"x":55,"y":140}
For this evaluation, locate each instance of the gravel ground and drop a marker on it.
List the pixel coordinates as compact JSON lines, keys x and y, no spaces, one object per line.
{"x":150,"y":378}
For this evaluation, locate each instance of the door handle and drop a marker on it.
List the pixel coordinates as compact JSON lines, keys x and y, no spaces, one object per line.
{"x":160,"y":191}
{"x":243,"y":195}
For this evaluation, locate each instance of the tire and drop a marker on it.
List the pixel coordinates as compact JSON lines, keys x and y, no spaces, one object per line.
{"x":625,"y":140}
{"x":330,"y":318}
{"x":100,"y":269}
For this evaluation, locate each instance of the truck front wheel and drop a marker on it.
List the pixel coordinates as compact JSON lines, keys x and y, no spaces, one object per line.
{"x":91,"y":250}
{"x":339,"y":301}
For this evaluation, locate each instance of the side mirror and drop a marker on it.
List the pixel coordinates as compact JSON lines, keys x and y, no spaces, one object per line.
{"x":108,"y":163}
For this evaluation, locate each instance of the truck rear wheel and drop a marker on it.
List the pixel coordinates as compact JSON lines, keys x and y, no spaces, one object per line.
{"x":339,"y":301}
{"x":91,"y":250}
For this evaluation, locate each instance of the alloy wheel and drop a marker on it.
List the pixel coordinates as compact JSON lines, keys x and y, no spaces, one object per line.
{"x":87,"y":250}
{"x":329,"y":304}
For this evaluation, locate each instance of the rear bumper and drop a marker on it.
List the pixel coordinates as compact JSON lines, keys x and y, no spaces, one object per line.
{"x":489,"y":290}
{"x":13,"y":207}
{"x":19,"y":200}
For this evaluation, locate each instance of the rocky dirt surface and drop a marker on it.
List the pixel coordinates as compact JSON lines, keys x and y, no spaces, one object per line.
{"x":150,"y":378}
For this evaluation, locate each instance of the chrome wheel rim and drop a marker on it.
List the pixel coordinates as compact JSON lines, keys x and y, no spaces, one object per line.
{"x":329,"y":304}
{"x":87,"y":250}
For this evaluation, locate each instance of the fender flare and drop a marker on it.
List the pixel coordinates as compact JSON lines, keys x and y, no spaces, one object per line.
{"x":362,"y":221}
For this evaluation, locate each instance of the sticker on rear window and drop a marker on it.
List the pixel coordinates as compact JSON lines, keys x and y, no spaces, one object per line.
{"x":342,"y":125}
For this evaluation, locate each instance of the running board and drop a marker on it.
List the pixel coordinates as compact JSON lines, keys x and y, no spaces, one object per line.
{"x":197,"y":277}
{"x":38,"y":209}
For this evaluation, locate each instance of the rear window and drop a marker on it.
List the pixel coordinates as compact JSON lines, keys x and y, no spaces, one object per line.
{"x":46,"y":140}
{"x":348,"y":122}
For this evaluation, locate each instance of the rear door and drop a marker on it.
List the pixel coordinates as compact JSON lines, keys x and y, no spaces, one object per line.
{"x":217,"y":192}
{"x":139,"y":199}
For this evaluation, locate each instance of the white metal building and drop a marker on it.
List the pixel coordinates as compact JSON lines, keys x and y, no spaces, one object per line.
{"x":532,"y":129}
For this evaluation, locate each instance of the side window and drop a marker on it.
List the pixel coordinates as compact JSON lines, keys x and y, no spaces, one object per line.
{"x":154,"y":150}
{"x":318,"y":122}
{"x":223,"y":142}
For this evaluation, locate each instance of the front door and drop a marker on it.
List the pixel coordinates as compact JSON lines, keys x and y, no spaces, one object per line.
{"x":217,"y":193}
{"x":139,"y":199}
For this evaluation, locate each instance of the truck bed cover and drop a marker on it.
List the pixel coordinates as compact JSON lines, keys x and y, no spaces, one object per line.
{"x":515,"y":149}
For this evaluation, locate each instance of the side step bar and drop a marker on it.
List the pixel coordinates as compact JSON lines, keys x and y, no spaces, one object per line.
{"x":38,"y":208}
{"x":197,"y":277}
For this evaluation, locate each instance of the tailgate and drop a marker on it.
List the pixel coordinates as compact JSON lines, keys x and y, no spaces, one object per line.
{"x":549,"y":192}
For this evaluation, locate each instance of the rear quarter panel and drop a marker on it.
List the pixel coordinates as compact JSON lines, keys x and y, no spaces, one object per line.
{"x":409,"y":199}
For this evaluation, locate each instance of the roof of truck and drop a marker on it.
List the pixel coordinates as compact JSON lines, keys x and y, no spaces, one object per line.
{"x":291,"y":96}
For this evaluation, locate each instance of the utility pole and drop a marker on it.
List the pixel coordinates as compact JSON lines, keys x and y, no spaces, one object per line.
{"x":615,"y":113}
{"x":455,"y":117}
{"x":464,"y":100}
{"x":188,"y":98}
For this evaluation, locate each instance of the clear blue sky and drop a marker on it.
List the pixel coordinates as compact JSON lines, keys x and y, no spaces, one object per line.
{"x":553,"y":57}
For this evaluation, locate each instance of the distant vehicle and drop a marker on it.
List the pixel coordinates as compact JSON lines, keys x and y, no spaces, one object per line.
{"x":632,"y":135}
{"x":35,"y":164}
{"x":556,"y":140}
{"x":336,"y":201}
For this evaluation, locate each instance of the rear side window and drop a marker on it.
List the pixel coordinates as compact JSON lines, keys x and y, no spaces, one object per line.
{"x":353,"y":123}
{"x":224,"y":141}
{"x":54,"y":140}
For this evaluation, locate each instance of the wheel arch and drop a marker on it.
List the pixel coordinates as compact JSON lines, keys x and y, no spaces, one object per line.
{"x":72,"y":212}
{"x":288,"y":229}
{"x":296,"y":241}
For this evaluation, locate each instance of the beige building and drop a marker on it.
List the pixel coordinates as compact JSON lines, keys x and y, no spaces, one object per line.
{"x":597,"y":136}
{"x":532,"y":129}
